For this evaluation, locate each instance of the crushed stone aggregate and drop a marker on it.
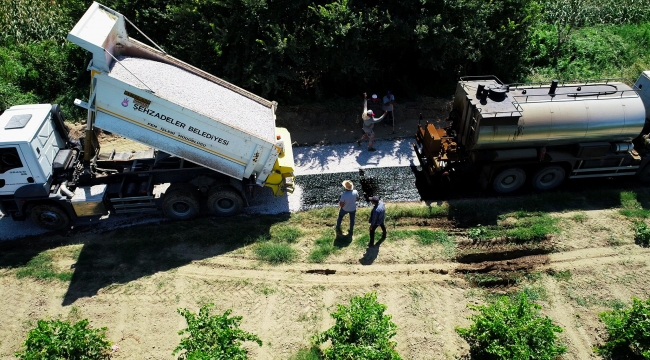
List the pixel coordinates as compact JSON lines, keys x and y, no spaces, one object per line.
{"x":197,"y":94}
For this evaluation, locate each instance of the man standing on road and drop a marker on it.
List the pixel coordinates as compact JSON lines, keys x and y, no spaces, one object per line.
{"x":389,"y":101}
{"x":369,"y":122}
{"x":347,"y":205}
{"x":377,"y":218}
{"x":375,"y":104}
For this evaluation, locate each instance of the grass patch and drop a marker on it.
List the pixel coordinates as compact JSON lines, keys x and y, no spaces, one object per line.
{"x":564,"y":275}
{"x":312,"y":353}
{"x":324,"y":248}
{"x":535,"y":293}
{"x":428,"y":237}
{"x":519,"y":226}
{"x":285,"y":233}
{"x":579,"y":217}
{"x":41,"y":267}
{"x":275,"y":253}
{"x":395,"y":212}
{"x":631,"y":207}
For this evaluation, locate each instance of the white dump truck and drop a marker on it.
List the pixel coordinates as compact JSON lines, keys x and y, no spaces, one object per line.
{"x":210,"y":140}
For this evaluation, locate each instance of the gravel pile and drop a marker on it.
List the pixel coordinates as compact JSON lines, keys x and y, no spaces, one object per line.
{"x":320,"y":170}
{"x":350,"y":157}
{"x":198,"y":94}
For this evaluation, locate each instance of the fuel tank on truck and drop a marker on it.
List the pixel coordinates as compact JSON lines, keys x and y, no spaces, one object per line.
{"x":494,"y":115}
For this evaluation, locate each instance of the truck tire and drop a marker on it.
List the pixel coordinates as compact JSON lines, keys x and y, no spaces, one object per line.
{"x":50,"y":217}
{"x":549,"y":177}
{"x":644,"y":175}
{"x":224,"y":201}
{"x":181,"y":203}
{"x":509,"y":180}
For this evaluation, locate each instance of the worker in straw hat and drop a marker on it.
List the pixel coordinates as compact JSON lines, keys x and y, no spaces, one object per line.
{"x":347,"y":205}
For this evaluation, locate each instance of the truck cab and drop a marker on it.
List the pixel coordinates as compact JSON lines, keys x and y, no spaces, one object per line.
{"x":32,"y":138}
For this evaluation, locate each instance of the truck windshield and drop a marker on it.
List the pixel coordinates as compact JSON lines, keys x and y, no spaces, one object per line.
{"x":9,"y":159}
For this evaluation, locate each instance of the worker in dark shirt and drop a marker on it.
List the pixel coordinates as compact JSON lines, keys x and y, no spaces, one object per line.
{"x":377,"y":217}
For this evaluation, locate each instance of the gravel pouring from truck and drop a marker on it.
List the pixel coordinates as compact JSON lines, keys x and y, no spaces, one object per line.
{"x":507,"y":135}
{"x":211,"y":141}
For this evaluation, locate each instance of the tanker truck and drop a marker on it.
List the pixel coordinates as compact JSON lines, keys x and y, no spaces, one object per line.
{"x":505,"y":136}
{"x":212,"y":142}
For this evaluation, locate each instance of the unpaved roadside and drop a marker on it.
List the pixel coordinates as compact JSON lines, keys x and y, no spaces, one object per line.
{"x":285,"y":305}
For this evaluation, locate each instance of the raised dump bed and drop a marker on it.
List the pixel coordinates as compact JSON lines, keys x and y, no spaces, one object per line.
{"x":148,"y":96}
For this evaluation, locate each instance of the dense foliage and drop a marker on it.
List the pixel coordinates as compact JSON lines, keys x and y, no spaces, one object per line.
{"x":512,"y":329}
{"x":629,"y":330}
{"x":213,"y":337}
{"x":361,"y":331}
{"x":56,"y":339}
{"x":311,"y":50}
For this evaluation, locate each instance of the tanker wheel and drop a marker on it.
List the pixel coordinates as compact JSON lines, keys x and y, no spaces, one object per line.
{"x":644,"y":175}
{"x":181,"y":203}
{"x":50,"y":217}
{"x":509,"y":180}
{"x":549,"y":177}
{"x":224,"y":201}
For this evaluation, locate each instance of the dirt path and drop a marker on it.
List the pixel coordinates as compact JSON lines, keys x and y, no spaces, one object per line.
{"x":286,"y":305}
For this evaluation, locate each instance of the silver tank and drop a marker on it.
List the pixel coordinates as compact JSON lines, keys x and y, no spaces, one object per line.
{"x":509,"y":116}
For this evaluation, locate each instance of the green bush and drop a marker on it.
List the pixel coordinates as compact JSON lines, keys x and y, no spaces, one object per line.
{"x":629,"y":330}
{"x":512,"y":329}
{"x":361,"y":331}
{"x":213,"y":336}
{"x":55,"y":339}
{"x":641,"y":234}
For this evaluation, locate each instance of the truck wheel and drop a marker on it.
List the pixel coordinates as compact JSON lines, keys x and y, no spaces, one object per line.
{"x":509,"y":180}
{"x":180,"y":203}
{"x":549,"y":177}
{"x":50,"y":217}
{"x":644,"y":175}
{"x":224,"y":201}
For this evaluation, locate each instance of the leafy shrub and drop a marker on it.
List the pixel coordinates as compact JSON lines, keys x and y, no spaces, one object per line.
{"x":512,"y":329}
{"x":629,"y":330}
{"x":641,"y":234}
{"x":361,"y":331}
{"x":479,"y":233}
{"x":55,"y":339}
{"x":213,"y":336}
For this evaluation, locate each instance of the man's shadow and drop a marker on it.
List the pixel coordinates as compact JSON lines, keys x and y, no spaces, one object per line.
{"x":372,"y":252}
{"x":343,"y":240}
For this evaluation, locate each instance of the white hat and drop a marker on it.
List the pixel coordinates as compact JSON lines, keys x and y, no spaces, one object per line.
{"x":370,"y":113}
{"x":374,"y":96}
{"x":348,"y":184}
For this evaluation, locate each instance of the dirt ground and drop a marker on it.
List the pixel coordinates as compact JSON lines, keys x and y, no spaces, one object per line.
{"x":425,"y":290}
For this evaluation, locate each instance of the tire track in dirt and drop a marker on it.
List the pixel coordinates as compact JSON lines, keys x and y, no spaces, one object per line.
{"x":579,"y":343}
